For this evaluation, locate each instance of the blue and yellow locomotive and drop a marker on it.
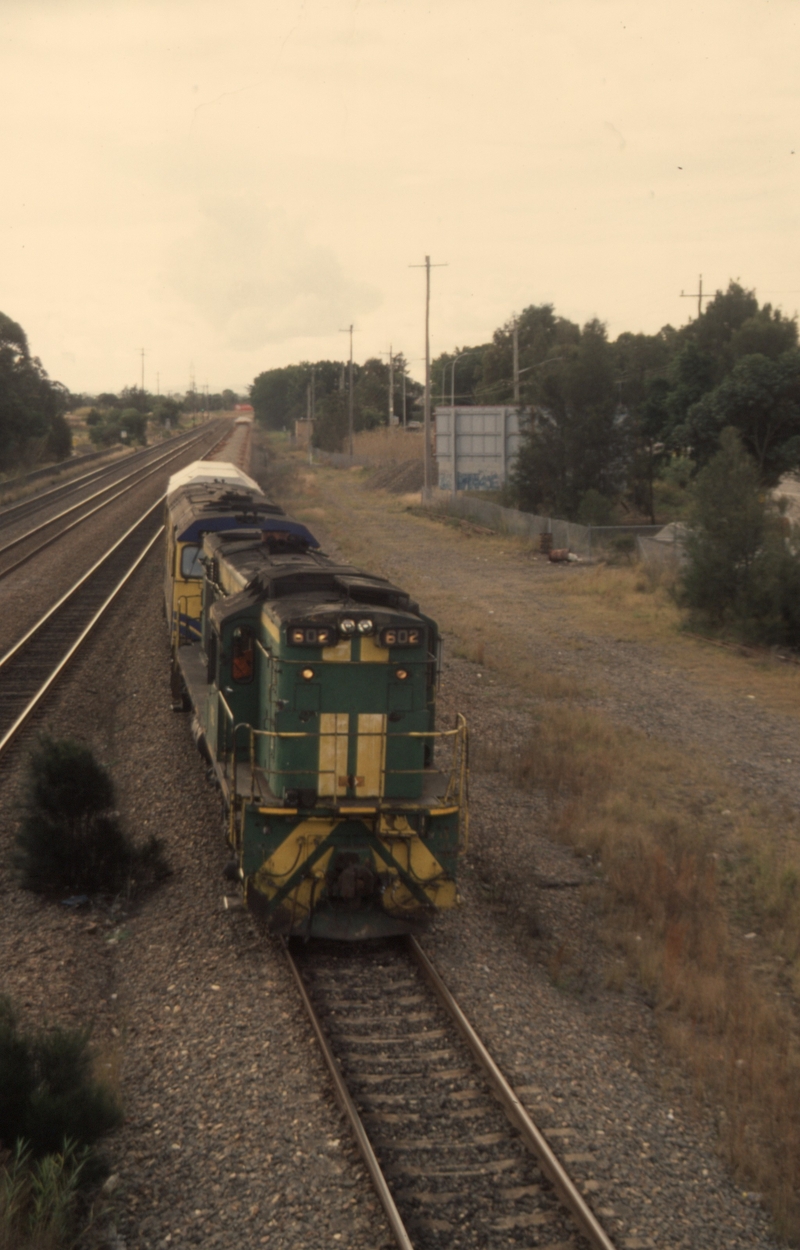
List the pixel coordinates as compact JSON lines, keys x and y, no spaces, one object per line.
{"x":313,"y":687}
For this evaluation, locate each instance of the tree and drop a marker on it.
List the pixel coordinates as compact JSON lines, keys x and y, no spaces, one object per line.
{"x":167,"y":410}
{"x":761,"y":399}
{"x":280,"y":396}
{"x":32,"y":407}
{"x":741,"y":569}
{"x":575,"y":437}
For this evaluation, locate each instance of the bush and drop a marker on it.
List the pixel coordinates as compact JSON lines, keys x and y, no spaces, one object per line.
{"x":128,"y":426}
{"x":595,"y":509}
{"x":47,"y":1091}
{"x":52,"y":1112}
{"x":70,"y":838}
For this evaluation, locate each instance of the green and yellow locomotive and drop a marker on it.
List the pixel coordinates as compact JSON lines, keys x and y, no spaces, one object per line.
{"x":313,"y":687}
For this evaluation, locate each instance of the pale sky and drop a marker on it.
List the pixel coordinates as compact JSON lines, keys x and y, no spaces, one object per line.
{"x":228,"y":184}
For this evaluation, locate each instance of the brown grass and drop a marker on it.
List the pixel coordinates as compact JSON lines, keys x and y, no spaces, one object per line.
{"x":666,"y":922}
{"x":386,"y":445}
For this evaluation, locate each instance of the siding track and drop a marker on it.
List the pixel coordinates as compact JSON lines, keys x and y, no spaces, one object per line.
{"x":455,"y":1158}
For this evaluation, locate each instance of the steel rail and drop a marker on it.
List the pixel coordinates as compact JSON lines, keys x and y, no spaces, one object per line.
{"x":349,"y":1108}
{"x":141,"y":474}
{"x":14,"y":729}
{"x":33,"y":502}
{"x":553,"y":1169}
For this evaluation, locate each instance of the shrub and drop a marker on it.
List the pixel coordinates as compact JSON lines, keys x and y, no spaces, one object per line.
{"x":47,"y":1091}
{"x":52,"y":1112}
{"x":595,"y":509}
{"x":70,"y":838}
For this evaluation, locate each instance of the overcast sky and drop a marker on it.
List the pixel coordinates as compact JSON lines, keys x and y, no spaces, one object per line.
{"x":227,"y":183}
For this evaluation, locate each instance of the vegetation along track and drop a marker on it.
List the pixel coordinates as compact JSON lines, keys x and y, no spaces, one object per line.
{"x":454,"y":1157}
{"x":134,"y":479}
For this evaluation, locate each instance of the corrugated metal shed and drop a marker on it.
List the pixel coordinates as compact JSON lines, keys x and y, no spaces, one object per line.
{"x":486,"y":444}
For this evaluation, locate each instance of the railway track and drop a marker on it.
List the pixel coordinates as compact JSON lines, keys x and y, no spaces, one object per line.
{"x":113,"y":491}
{"x":15,"y":512}
{"x":454,"y":1157}
{"x":36,"y":661}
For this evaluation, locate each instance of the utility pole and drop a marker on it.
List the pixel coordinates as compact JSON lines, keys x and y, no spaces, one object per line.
{"x":390,"y":357}
{"x":515,"y":343}
{"x":313,"y":415}
{"x":391,"y":386}
{"x":426,"y":490}
{"x":349,"y":331}
{"x":142,"y":351}
{"x":698,"y":295}
{"x":404,"y":395}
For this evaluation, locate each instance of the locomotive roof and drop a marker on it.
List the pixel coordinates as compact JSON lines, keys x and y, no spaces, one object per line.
{"x":220,"y":471}
{"x":198,"y":508}
{"x":296,"y":581}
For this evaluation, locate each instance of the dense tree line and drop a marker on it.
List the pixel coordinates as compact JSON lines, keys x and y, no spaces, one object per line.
{"x":32,"y":422}
{"x":282,"y":396}
{"x":607,"y":417}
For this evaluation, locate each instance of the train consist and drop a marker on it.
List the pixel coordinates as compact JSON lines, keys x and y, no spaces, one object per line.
{"x":313,"y":691}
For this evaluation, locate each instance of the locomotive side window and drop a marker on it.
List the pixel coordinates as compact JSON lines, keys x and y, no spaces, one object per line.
{"x":244,"y":654}
{"x":190,"y":562}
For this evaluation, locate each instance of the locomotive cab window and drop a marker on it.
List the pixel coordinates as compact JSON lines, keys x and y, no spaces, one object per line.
{"x":190,"y":562}
{"x":244,"y":654}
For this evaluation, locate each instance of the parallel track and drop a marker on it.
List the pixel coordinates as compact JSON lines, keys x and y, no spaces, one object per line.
{"x":43,"y":499}
{"x":138,"y":475}
{"x":450,"y":1166}
{"x":34,"y":664}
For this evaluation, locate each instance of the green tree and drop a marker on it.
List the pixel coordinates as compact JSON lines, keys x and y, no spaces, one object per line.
{"x":126,"y":425}
{"x":167,"y":410}
{"x":32,"y":408}
{"x":741,"y":569}
{"x":574,"y":439}
{"x":760,"y":398}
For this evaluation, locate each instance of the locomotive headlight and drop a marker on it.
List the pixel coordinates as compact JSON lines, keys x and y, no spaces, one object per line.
{"x":365,"y":626}
{"x":307,"y":673}
{"x":401,"y":674}
{"x":347,"y":626}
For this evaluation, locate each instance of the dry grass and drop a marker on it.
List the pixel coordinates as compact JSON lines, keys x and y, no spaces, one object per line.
{"x":389,"y":445}
{"x":667,"y":921}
